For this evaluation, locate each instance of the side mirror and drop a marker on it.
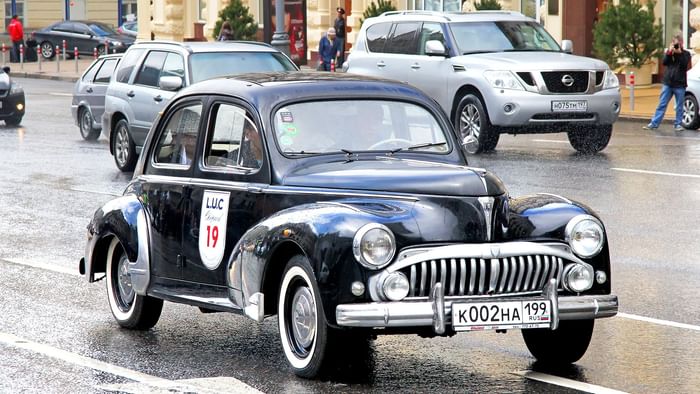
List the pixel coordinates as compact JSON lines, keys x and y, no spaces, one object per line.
{"x":567,"y":46}
{"x":435,"y":48}
{"x":6,"y":69}
{"x":171,"y":83}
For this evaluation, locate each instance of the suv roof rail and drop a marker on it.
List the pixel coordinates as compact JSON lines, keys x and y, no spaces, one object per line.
{"x":415,"y":12}
{"x":498,"y":12}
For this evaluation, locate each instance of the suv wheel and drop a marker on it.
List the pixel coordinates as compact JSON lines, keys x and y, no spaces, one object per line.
{"x":691,"y":118}
{"x":123,"y":147}
{"x":473,"y":126}
{"x":590,"y":139}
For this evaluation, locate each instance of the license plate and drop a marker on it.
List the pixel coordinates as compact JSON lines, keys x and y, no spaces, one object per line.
{"x":501,"y":315}
{"x":570,"y":106}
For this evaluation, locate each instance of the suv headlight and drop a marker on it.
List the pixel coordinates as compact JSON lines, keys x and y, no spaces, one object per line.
{"x":610,"y":80}
{"x":503,"y":80}
{"x":585,"y":235}
{"x":374,"y":245}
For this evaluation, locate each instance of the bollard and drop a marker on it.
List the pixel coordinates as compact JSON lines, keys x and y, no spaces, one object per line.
{"x":106,"y":51}
{"x":75,"y":56}
{"x":64,"y":50}
{"x":631,"y":90}
{"x":21,"y":56}
{"x":94,"y":53}
{"x":4,"y":49}
{"x":332,"y":65}
{"x":58,"y":56}
{"x":38,"y":57}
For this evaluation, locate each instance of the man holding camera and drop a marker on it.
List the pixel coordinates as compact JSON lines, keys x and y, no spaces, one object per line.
{"x":677,"y":62}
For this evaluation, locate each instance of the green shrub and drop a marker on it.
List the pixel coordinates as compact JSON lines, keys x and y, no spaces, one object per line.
{"x":243,"y":25}
{"x":373,"y":10}
{"x":488,"y":5}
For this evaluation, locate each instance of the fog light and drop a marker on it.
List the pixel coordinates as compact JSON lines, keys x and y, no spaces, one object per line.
{"x":357,"y":288}
{"x":578,"y":278}
{"x":395,"y":286}
{"x":508,"y":108}
{"x":601,"y":277}
{"x":20,"y":106}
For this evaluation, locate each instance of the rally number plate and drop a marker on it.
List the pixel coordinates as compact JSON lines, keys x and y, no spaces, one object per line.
{"x":501,"y":315}
{"x":569,"y":106}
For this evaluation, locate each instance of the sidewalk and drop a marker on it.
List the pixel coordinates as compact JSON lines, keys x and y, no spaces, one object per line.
{"x":645,"y":98}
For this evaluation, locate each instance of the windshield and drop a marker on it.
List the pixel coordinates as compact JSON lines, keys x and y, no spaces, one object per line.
{"x":357,"y":125}
{"x":218,"y":64}
{"x":479,"y":37}
{"x":102,"y":29}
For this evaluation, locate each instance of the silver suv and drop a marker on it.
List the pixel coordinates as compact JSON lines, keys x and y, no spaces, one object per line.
{"x":493,"y":73}
{"x":152,"y":71}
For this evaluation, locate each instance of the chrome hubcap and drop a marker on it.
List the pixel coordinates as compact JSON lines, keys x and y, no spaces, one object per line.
{"x":46,"y":50}
{"x":86,"y":124}
{"x":121,"y":148}
{"x":688,"y":112}
{"x":126,"y":291}
{"x":470,"y":124}
{"x":304,"y":316}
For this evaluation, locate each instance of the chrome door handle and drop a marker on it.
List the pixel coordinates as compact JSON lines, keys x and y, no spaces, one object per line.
{"x":415,"y":66}
{"x":89,"y":90}
{"x":158,"y":98}
{"x":131,"y":93}
{"x":381,"y":64}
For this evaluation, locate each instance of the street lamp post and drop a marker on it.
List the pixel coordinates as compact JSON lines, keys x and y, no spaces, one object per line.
{"x":280,"y":38}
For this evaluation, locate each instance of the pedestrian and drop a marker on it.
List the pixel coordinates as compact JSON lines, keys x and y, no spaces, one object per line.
{"x":340,"y":35}
{"x":677,"y":62}
{"x":328,"y":50}
{"x":16,"y":32}
{"x":226,"y":34}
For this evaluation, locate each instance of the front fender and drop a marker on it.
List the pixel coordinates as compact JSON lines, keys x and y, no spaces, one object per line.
{"x":125,"y":219}
{"x":542,"y":216}
{"x":323,"y":232}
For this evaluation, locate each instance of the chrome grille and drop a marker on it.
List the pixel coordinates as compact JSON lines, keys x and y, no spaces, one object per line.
{"x":475,"y":276}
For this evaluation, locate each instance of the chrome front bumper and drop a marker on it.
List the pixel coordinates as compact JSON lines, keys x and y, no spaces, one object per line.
{"x":437,"y":311}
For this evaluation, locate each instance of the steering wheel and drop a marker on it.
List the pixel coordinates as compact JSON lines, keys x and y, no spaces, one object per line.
{"x":390,"y":141}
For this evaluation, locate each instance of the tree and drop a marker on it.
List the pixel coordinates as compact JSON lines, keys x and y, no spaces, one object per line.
{"x":626,"y":34}
{"x":488,"y":5}
{"x":373,"y":10}
{"x":243,"y":25}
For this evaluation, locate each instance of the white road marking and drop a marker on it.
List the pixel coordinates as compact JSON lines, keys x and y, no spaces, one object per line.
{"x":166,"y":385}
{"x":553,"y":141}
{"x":568,"y":383}
{"x":60,"y":94}
{"x":46,"y":267}
{"x":659,"y":321}
{"x":656,"y":172}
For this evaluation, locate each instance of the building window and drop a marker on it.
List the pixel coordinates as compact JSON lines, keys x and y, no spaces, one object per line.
{"x":677,"y":21}
{"x":14,"y":7}
{"x":435,"y":5}
{"x":201,"y":8}
{"x":128,"y":11}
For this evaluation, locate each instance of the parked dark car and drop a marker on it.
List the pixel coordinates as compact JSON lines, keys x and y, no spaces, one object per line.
{"x":89,"y":95}
{"x":12,"y":104}
{"x":345,"y":206}
{"x":85,"y":35}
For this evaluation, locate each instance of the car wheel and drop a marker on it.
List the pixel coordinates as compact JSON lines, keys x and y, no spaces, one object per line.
{"x":123,"y":147}
{"x":85,"y":124}
{"x":130,"y":310}
{"x":13,"y":121}
{"x":565,"y":345}
{"x":691,"y":118}
{"x":473,"y":126}
{"x":47,"y":50}
{"x":302,"y":323}
{"x":590,"y":139}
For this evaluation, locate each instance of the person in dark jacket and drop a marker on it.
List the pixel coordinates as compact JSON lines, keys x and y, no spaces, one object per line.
{"x":340,"y":34}
{"x":677,"y":62}
{"x":328,"y":50}
{"x":226,"y":34}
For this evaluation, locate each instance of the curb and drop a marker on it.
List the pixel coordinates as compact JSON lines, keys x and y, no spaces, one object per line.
{"x":25,"y":74}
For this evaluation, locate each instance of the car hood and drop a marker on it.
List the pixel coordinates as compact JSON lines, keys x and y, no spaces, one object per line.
{"x":397,"y":175}
{"x":529,"y":61}
{"x":4,"y":81}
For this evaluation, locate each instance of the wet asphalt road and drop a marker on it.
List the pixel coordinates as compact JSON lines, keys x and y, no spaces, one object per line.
{"x":57,"y":334}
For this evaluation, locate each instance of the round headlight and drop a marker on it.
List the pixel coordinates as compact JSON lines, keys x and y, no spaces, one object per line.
{"x":585,"y":235}
{"x":374,"y":245}
{"x":395,"y":286}
{"x":579,"y":278}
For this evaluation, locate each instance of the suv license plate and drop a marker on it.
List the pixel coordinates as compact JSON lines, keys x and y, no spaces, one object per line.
{"x":501,"y":315}
{"x":570,"y":106}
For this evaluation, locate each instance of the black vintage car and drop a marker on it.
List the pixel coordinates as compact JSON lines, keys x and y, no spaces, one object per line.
{"x":345,"y":206}
{"x":12,"y":104}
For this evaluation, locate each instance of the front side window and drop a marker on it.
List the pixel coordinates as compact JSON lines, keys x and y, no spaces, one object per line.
{"x":174,"y":66}
{"x":473,"y":37}
{"x":234,"y":140}
{"x":208,"y":65}
{"x":377,"y":36}
{"x":178,"y":140}
{"x":149,"y":74}
{"x":106,"y":71}
{"x":127,"y":64}
{"x":358,"y":125}
{"x":430,"y":32}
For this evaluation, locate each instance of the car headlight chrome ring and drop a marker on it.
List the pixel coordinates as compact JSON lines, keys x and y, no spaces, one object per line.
{"x":585,"y":235}
{"x":374,"y":245}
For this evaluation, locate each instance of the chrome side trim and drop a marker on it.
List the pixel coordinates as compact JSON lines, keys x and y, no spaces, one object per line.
{"x":139,"y":270}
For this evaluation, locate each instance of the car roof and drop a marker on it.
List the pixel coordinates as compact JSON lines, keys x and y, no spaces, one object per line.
{"x":213,"y":46}
{"x":433,"y":16}
{"x":111,"y":55}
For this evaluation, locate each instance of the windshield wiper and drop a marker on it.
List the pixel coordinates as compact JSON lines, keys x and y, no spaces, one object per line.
{"x":303,"y":153}
{"x":418,"y":146}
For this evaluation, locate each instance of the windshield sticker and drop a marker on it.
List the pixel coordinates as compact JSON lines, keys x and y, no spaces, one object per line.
{"x":291,"y":130}
{"x":286,"y":140}
{"x":287,"y":117}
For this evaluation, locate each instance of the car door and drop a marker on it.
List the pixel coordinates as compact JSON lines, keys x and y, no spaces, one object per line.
{"x":429,"y":73}
{"x":166,"y":192}
{"x":84,"y":40}
{"x":62,"y":32}
{"x":95,"y":93}
{"x":401,"y":51}
{"x":226,"y":199}
{"x":373,"y":61}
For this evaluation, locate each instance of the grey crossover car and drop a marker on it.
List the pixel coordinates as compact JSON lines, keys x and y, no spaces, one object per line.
{"x":493,"y":73}
{"x":89,"y":95}
{"x":691,"y":117}
{"x":151,"y":72}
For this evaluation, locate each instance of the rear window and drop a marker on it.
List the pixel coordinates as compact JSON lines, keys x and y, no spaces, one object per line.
{"x":210,"y":65}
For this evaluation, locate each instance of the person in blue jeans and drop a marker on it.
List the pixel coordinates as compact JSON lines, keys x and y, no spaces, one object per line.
{"x":677,"y":62}
{"x":328,"y":49}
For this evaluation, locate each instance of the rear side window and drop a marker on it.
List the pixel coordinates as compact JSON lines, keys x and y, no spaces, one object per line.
{"x":149,"y":74}
{"x":106,"y":71}
{"x":90,"y":73}
{"x":377,"y":36}
{"x":403,"y":39}
{"x":128,"y":63}
{"x":178,"y":141}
